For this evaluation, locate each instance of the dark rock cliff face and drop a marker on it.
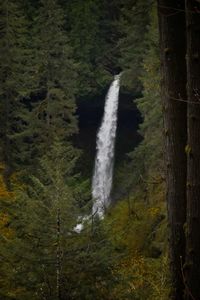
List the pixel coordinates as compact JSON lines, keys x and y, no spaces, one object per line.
{"x":90,"y":112}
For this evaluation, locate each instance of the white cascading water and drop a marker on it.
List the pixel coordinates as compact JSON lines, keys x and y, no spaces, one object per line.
{"x":103,"y":170}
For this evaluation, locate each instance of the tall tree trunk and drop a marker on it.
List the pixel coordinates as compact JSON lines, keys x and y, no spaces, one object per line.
{"x":58,"y":258}
{"x":7,"y":151}
{"x":6,"y":148}
{"x":173,"y":91}
{"x":192,"y":266}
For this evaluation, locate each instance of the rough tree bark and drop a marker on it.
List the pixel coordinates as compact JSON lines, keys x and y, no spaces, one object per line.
{"x":171,"y":16}
{"x":58,"y":258}
{"x":192,"y":266}
{"x":6,"y":146}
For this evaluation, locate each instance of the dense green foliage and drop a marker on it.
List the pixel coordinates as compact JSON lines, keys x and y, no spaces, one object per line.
{"x":134,"y":25}
{"x":16,"y":74}
{"x":53,"y":52}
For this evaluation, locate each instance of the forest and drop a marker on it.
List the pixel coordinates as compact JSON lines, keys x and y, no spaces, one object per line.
{"x":99,"y":149}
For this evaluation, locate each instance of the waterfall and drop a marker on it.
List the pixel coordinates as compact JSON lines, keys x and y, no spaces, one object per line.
{"x":103,"y":170}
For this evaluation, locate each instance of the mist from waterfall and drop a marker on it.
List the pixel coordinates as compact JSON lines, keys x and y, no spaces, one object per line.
{"x":103,"y":170}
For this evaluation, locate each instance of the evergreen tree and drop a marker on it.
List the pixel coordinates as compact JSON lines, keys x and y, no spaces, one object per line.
{"x":42,"y":216}
{"x":173,"y":93}
{"x":15,"y":81}
{"x":147,"y":158}
{"x":192,"y":267}
{"x":48,"y":256}
{"x":149,"y":154}
{"x":53,"y":111}
{"x":85,"y":25}
{"x":133,"y":25}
